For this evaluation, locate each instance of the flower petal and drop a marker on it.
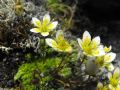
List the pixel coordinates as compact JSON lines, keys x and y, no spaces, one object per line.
{"x":36,"y":22}
{"x":107,"y":49}
{"x":99,"y":51}
{"x":100,"y":86}
{"x":109,"y":57}
{"x":35,"y":30}
{"x":86,"y":38}
{"x":69,"y":49}
{"x":110,"y":67}
{"x":116,"y":73}
{"x":46,"y":19}
{"x":59,"y":33}
{"x":44,"y":34}
{"x":52,"y":25}
{"x":118,"y":87}
{"x":109,"y":75}
{"x":52,"y":43}
{"x":95,"y":42}
{"x":80,"y":42}
{"x":59,"y":36}
{"x":111,"y":87}
{"x":86,"y":34}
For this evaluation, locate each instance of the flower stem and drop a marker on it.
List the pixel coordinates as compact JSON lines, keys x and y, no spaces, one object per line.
{"x":61,"y":65}
{"x":43,"y":50}
{"x":82,"y":60}
{"x":43,"y":47}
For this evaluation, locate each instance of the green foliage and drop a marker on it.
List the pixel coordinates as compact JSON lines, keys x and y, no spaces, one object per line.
{"x":26,"y":72}
{"x":57,"y":8}
{"x":65,"y":72}
{"x":28,"y":56}
{"x":61,"y":67}
{"x":52,"y":1}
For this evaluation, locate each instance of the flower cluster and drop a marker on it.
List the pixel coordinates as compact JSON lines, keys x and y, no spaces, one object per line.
{"x":114,"y":81}
{"x":92,"y":48}
{"x":60,"y":43}
{"x":105,"y":60}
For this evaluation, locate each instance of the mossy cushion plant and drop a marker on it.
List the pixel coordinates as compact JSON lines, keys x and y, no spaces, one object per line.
{"x":92,"y":61}
{"x":37,"y":73}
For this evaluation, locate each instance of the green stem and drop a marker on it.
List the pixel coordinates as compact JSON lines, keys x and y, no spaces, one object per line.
{"x":43,"y":47}
{"x":82,"y":60}
{"x":61,"y":63}
{"x":44,"y":51}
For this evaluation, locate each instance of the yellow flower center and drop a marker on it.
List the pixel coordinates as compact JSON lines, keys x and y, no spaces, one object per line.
{"x":63,"y":45}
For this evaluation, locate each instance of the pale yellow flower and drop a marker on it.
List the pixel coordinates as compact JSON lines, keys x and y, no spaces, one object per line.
{"x":114,"y":79}
{"x":60,"y":43}
{"x":91,"y":47}
{"x":106,"y":61}
{"x":107,"y":49}
{"x":44,"y":27}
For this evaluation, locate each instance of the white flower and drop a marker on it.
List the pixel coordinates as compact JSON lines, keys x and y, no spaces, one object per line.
{"x":44,"y":27}
{"x":106,"y":60}
{"x":114,"y":79}
{"x":60,"y":44}
{"x":91,"y":47}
